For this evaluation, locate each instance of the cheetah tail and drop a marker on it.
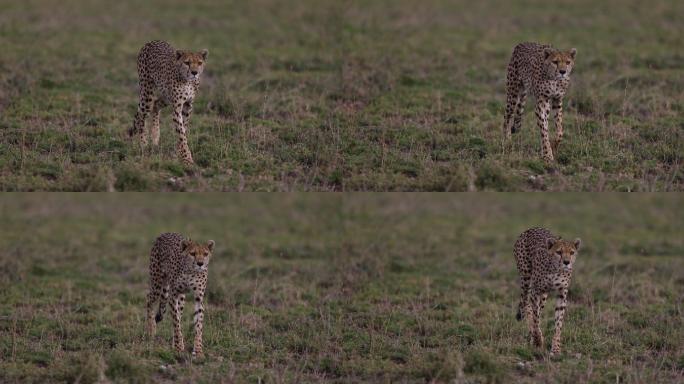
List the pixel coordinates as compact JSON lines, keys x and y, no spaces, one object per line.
{"x":518,"y":316}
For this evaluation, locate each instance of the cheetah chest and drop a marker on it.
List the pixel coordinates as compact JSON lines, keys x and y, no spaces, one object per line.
{"x":553,"y":89}
{"x":191,"y":281}
{"x":177,"y":92}
{"x":554,"y":281}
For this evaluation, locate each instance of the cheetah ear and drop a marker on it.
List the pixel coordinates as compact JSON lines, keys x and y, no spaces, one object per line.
{"x":185,"y":244}
{"x":179,"y":53}
{"x":204,"y":53}
{"x":577,"y":243}
{"x":573,"y":52}
{"x":548,"y":52}
{"x":550,"y":242}
{"x":210,"y":244}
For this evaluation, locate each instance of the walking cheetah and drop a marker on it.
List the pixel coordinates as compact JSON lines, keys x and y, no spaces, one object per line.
{"x":178,"y":265}
{"x":545,"y":72}
{"x":167,"y":77}
{"x":545,"y":264}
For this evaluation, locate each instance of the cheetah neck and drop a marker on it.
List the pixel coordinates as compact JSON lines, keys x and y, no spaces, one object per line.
{"x":180,"y":78}
{"x":192,"y":272}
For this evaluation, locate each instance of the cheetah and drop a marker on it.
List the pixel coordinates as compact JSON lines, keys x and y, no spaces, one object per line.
{"x":178,"y":265}
{"x":545,"y":72}
{"x":167,"y":77}
{"x":545,"y":264}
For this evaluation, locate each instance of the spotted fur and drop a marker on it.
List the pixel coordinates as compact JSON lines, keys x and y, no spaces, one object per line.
{"x":545,"y":264}
{"x":178,"y":265}
{"x":167,"y":77}
{"x":545,"y":72}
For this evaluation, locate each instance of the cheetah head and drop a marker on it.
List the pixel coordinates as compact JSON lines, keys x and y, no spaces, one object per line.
{"x":559,"y":63}
{"x":563,"y":251}
{"x":198,"y":254}
{"x":191,"y":64}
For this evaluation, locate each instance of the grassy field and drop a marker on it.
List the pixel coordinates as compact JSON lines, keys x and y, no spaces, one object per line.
{"x":341,"y":95}
{"x":340,"y":288}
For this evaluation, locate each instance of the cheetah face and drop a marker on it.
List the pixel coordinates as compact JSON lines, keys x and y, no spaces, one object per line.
{"x":564,"y":252}
{"x":198,"y":255}
{"x":559,"y":63}
{"x":191,"y":64}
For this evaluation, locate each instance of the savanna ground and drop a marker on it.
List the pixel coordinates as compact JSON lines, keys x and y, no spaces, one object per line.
{"x":340,"y":288}
{"x":341,"y":95}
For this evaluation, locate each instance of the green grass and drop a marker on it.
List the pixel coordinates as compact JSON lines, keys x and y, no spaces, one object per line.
{"x":341,"y":95}
{"x":340,"y":288}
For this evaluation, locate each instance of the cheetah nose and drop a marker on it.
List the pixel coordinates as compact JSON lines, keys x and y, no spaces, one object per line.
{"x":566,"y":262}
{"x":562,"y":71}
{"x":194,"y":73}
{"x":200,"y":263}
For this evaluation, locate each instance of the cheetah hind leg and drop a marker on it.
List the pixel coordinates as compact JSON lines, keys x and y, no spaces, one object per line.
{"x":519,"y":109}
{"x":156,"y":111}
{"x":152,"y":297}
{"x":521,"y":310}
{"x":144,"y":108}
{"x":512,"y":99}
{"x":524,"y":297}
{"x":163,"y":301}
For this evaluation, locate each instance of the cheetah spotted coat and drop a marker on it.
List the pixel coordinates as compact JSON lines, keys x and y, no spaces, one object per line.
{"x":545,"y":264}
{"x":544,"y":72}
{"x":167,"y":77}
{"x":178,"y":265}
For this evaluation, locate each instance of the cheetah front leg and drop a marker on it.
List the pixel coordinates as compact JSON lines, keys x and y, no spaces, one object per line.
{"x":561,"y":303}
{"x":182,"y":147}
{"x":178,"y":304}
{"x":198,"y":320}
{"x":557,"y":105}
{"x":187,"y":111}
{"x":542,"y":112}
{"x":543,"y":303}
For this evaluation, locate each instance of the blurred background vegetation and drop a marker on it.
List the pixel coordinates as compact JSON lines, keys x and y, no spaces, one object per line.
{"x":341,"y":95}
{"x":340,"y":288}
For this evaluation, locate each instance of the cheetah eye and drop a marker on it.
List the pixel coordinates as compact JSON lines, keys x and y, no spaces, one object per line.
{"x":193,"y":253}
{"x":187,"y":63}
{"x":567,"y":62}
{"x":555,"y":62}
{"x":559,"y":253}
